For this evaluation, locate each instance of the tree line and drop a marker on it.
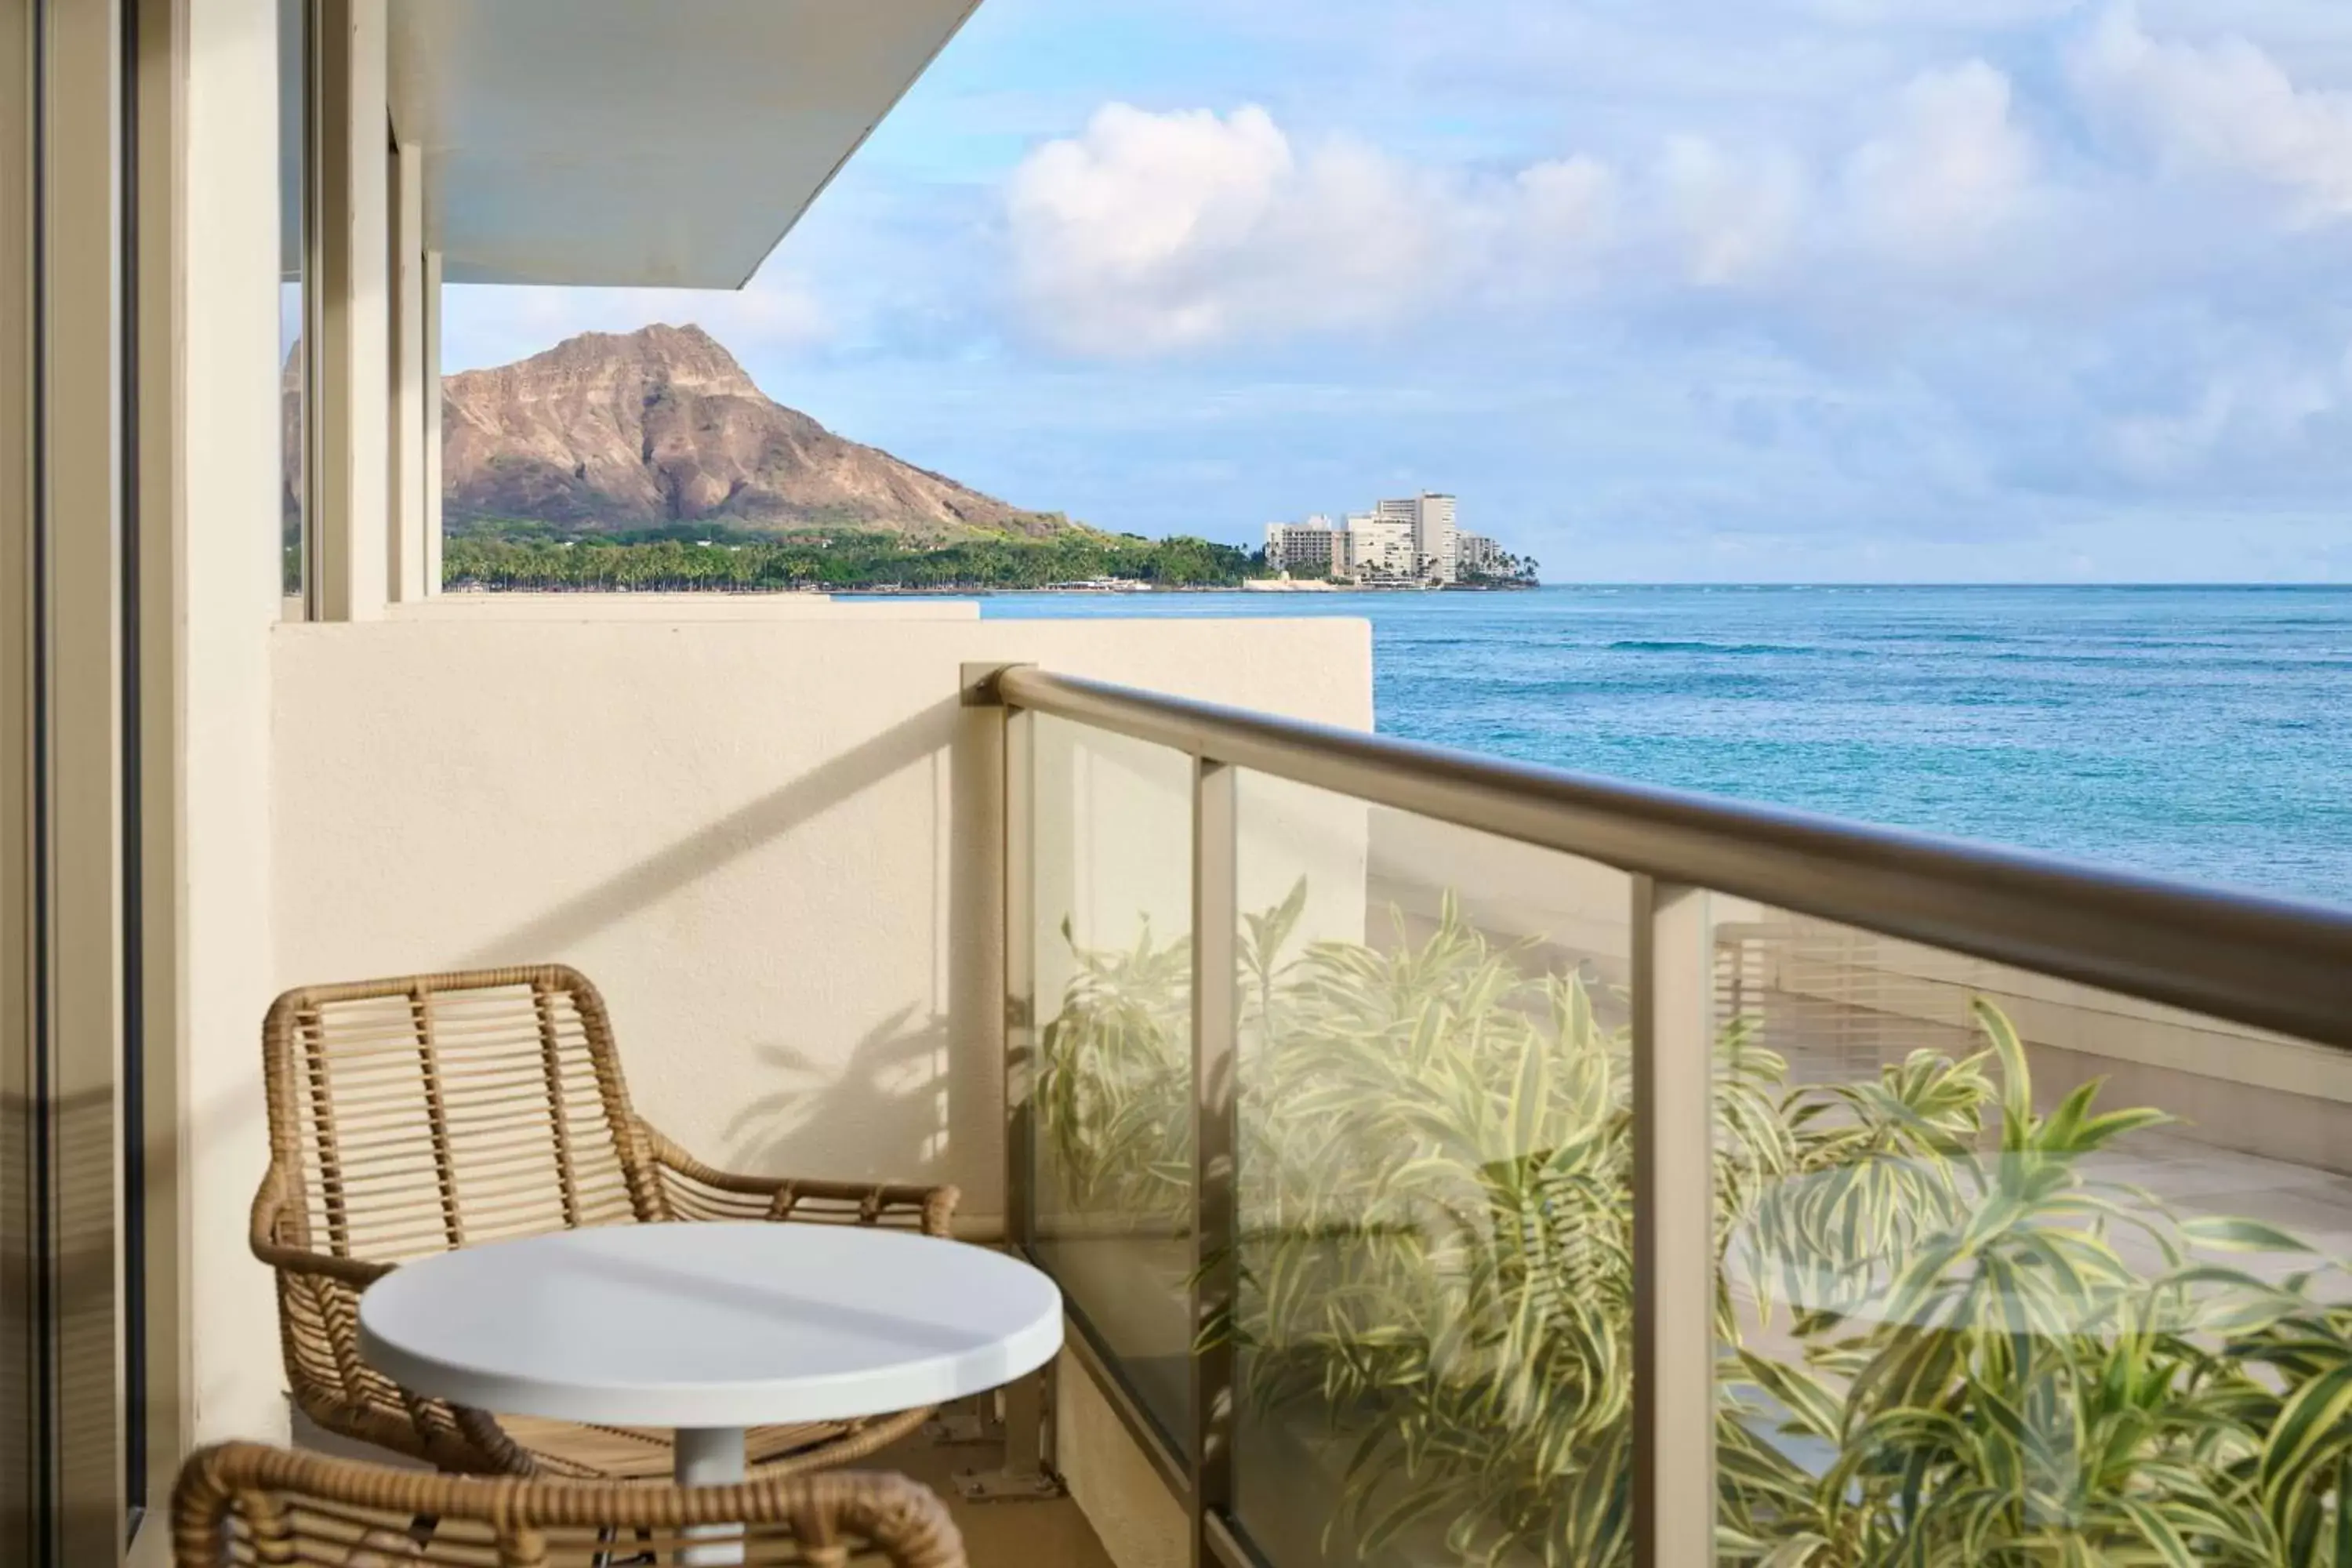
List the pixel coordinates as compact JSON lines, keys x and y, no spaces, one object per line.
{"x":531,"y":556}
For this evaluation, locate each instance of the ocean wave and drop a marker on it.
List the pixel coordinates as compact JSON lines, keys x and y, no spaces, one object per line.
{"x":1643,"y":644}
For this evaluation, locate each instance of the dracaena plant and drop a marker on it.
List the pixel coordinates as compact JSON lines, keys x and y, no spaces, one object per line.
{"x":1946,"y":1337}
{"x":1113,"y":1088}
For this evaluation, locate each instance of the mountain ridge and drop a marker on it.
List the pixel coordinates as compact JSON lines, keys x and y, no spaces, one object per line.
{"x":613,"y":431}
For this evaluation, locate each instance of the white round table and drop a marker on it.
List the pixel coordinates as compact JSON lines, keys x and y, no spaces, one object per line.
{"x":710,"y":1329}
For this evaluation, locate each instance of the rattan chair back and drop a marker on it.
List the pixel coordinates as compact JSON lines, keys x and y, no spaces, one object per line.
{"x":415,"y":1115}
{"x":412,"y":1115}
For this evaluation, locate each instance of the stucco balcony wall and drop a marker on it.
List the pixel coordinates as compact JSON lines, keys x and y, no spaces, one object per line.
{"x":767,"y":838}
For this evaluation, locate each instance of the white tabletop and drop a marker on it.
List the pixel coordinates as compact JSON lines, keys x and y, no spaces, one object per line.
{"x":711,"y":1325}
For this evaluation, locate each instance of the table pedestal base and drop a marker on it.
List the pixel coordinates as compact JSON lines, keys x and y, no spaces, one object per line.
{"x":711,"y":1456}
{"x":1022,"y":1477}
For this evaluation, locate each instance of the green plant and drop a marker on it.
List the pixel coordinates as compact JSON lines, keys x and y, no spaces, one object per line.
{"x":1946,"y":1339}
{"x":1114,"y":1083}
{"x":1997,"y":1382}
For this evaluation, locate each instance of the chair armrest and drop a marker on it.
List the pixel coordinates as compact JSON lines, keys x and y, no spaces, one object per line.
{"x":695,"y":1191}
{"x":318,"y":1327}
{"x":274,"y":1241}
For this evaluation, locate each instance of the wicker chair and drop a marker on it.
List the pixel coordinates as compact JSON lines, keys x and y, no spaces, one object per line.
{"x":243,"y":1503}
{"x":410,"y":1115}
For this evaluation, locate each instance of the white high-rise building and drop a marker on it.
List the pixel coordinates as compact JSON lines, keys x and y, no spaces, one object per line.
{"x":1380,"y":546}
{"x":1413,"y":538}
{"x":1476,"y":555}
{"x":1311,"y":549}
{"x":1431,"y":518}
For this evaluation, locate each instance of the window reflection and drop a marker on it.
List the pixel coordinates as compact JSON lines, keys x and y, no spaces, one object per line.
{"x":293,"y":99}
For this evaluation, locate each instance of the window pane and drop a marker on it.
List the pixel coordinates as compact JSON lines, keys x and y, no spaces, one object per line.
{"x":2019,"y":1269}
{"x":293,"y":118}
{"x":1113,"y":1096}
{"x":1433,"y":1327}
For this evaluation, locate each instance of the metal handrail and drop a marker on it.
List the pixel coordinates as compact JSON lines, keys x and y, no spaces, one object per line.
{"x":2267,"y":962}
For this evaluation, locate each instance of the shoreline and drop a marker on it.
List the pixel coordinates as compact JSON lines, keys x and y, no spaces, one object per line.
{"x":1249,"y":585}
{"x":1142,"y":590}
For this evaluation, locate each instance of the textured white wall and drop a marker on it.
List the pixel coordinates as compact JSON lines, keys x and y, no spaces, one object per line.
{"x":1136,"y":1517}
{"x":766,"y":839}
{"x":766,"y":842}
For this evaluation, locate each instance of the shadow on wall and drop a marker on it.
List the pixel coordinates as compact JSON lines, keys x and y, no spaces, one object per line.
{"x":710,"y":848}
{"x":919,"y":1095}
{"x":895,"y":1078}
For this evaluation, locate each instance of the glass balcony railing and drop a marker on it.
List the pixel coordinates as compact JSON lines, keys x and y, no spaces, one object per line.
{"x":1112,"y":1189}
{"x":1448,"y":1160}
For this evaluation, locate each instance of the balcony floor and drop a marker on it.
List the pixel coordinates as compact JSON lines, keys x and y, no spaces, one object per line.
{"x":1003,"y":1534}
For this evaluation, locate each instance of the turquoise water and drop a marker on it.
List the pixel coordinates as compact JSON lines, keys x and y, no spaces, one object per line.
{"x":2203,"y":733}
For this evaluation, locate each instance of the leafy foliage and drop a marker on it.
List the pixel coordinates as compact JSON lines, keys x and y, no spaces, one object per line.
{"x":1114,"y":1083}
{"x":723,"y":558}
{"x":1945,"y":1337}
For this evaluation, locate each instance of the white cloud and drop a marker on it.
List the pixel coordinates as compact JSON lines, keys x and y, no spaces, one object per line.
{"x":1544,"y":235}
{"x":1154,"y":232}
{"x":1950,"y":171}
{"x":1734,"y":215}
{"x":2226,"y":109}
{"x":1140,"y":191}
{"x":1571,"y":202}
{"x":1883,"y":14}
{"x":2257,"y":406}
{"x":2013,"y":285}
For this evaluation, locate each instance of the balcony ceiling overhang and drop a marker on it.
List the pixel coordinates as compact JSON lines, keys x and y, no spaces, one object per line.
{"x":641,"y":142}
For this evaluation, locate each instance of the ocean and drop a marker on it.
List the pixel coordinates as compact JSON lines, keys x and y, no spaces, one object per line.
{"x":2199,"y":733}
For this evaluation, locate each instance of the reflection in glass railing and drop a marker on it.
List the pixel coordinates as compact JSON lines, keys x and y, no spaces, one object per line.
{"x":1435,"y":1307}
{"x":1973,"y":1314}
{"x":1963,"y":1318}
{"x":2007,"y":1269}
{"x":1114,"y":1084}
{"x":1111,"y":1087}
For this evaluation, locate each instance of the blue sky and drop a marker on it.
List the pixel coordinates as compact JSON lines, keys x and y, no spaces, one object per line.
{"x":1664,"y":289}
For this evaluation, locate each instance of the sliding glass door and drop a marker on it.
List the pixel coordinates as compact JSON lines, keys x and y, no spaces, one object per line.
{"x":86,"y":493}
